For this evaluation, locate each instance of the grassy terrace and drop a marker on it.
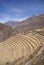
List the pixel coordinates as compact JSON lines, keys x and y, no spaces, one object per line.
{"x":21,"y":50}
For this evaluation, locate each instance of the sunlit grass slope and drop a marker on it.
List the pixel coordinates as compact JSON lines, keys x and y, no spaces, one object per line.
{"x":18,"y":47}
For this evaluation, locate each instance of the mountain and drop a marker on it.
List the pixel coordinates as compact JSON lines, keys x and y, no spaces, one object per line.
{"x":31,"y":23}
{"x":5,"y":32}
{"x":12,"y":23}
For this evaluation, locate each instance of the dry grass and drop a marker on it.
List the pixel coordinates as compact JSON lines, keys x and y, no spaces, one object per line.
{"x":18,"y":49}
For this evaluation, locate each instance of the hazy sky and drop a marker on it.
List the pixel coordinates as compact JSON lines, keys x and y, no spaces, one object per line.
{"x":20,"y":9}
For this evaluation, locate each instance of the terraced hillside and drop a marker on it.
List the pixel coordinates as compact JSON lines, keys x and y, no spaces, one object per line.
{"x":40,"y":31}
{"x":18,"y":49}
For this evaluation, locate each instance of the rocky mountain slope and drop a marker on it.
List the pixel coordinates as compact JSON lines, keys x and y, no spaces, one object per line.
{"x":30,"y":23}
{"x":5,"y":32}
{"x":12,"y":23}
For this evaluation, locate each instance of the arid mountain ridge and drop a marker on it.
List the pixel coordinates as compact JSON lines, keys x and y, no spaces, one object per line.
{"x":10,"y":28}
{"x":30,"y":23}
{"x":5,"y":31}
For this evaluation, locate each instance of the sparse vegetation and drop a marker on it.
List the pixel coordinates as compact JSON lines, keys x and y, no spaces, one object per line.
{"x":19,"y":48}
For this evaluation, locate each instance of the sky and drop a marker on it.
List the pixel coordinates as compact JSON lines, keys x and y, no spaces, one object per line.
{"x":18,"y":10}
